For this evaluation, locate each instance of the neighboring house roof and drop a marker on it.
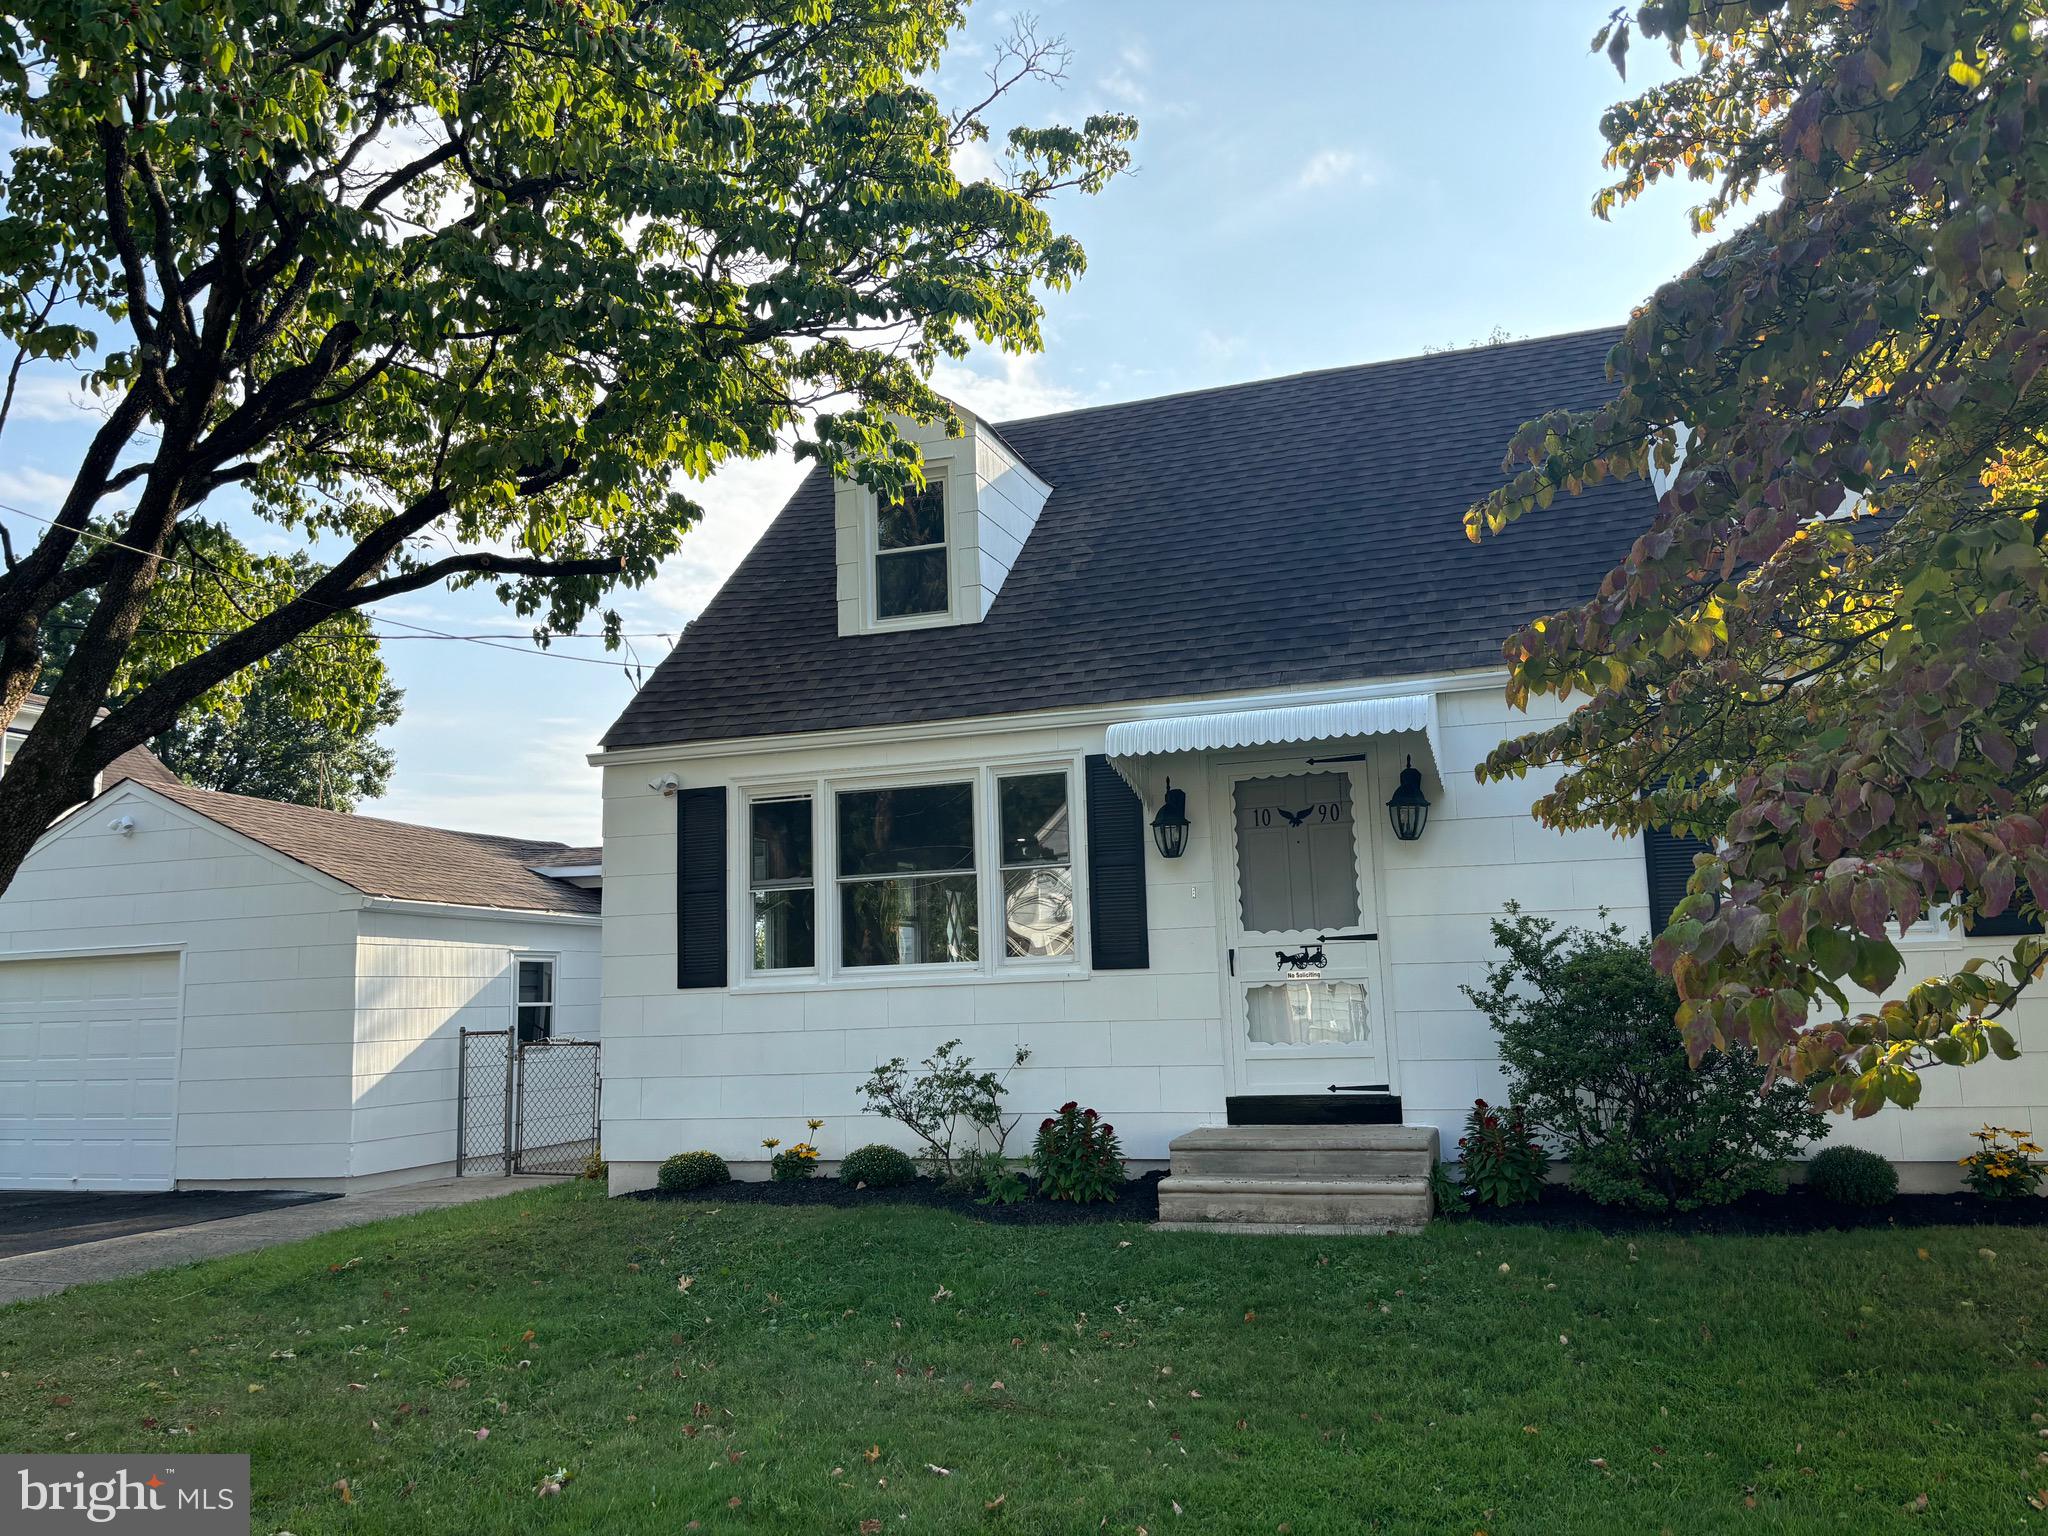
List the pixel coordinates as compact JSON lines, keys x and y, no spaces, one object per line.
{"x":557,"y":857}
{"x":138,"y":763}
{"x":1293,"y":532}
{"x":395,"y":858}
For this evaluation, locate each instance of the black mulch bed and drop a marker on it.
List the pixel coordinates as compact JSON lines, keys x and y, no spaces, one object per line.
{"x":1794,"y":1211}
{"x":1138,"y":1202}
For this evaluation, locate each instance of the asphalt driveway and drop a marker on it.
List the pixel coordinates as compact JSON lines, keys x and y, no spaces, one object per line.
{"x":37,"y":1221}
{"x":49,"y":1243}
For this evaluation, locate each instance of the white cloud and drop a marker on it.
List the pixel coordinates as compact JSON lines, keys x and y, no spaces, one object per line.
{"x":35,"y":489}
{"x":975,"y":161}
{"x":1330,"y":168}
{"x":545,"y":790}
{"x":1004,"y":386}
{"x":52,"y":396}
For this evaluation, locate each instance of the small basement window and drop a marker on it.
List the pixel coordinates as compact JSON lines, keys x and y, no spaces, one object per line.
{"x":536,"y":979}
{"x":910,"y":553}
{"x":784,"y":891}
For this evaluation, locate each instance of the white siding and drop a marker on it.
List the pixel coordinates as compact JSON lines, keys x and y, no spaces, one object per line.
{"x":724,"y":1068}
{"x":269,"y":948}
{"x":422,"y":978}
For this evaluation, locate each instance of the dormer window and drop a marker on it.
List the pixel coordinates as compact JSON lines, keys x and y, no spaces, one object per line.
{"x":938,"y":555}
{"x":910,"y":553}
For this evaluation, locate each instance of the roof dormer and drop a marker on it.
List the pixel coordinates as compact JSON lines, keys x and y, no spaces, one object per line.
{"x":939,"y":555}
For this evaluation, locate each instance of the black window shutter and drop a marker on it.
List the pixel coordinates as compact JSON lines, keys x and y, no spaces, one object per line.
{"x":700,"y":887}
{"x":1668,"y":857}
{"x":1116,"y":871}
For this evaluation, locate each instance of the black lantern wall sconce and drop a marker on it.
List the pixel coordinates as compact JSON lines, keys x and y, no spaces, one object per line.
{"x":1408,"y":806}
{"x":1170,"y":826}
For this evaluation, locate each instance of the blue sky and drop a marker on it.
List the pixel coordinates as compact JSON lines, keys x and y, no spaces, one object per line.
{"x":1316,"y":185}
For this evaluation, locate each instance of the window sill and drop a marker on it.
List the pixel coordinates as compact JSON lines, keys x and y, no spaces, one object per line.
{"x":868,"y":981}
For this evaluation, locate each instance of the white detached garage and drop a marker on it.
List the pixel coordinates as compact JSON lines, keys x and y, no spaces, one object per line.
{"x":209,"y":989}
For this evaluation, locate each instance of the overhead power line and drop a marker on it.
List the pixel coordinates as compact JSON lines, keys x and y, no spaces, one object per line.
{"x":419,"y":631}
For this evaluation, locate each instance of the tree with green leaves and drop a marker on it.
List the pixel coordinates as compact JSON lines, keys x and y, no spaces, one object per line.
{"x":272,"y":750}
{"x":300,"y":725}
{"x":465,"y":290}
{"x":1828,"y":651}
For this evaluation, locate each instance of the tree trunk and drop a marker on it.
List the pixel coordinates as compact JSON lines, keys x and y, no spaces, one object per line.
{"x":37,"y":788}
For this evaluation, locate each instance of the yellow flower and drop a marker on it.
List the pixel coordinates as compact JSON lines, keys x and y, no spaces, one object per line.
{"x":814,"y":1124}
{"x":771,"y":1142}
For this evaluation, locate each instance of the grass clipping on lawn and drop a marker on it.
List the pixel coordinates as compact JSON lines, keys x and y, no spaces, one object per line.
{"x":538,"y":1363}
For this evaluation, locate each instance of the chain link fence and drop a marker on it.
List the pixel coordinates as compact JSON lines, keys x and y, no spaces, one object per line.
{"x":528,"y":1108}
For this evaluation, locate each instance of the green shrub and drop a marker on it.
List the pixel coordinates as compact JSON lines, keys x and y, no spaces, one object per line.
{"x":1447,"y":1190}
{"x":996,"y":1177}
{"x":1597,"y":1065}
{"x":1503,"y":1165}
{"x":1852,"y":1176}
{"x":693,"y":1170}
{"x":1077,"y":1156}
{"x":945,"y":1103}
{"x":878,"y":1166}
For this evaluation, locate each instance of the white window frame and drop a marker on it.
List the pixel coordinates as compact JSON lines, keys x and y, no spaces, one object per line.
{"x":748,"y":798}
{"x":995,"y":811}
{"x":553,"y":961}
{"x":830,"y":972}
{"x":938,"y":470}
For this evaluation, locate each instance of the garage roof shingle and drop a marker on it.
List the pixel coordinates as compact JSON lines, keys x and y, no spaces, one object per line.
{"x":397,"y":859}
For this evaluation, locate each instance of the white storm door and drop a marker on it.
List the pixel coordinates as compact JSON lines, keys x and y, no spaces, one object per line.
{"x":89,"y":1072}
{"x":1304,"y":955}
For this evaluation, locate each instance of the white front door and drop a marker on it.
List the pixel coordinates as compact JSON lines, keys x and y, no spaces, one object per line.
{"x":1301,"y":1009}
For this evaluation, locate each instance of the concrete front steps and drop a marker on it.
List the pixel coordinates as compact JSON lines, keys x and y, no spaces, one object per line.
{"x":1308,"y":1180}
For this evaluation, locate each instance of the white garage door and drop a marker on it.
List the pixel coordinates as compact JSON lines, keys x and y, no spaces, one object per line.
{"x":88,"y":1072}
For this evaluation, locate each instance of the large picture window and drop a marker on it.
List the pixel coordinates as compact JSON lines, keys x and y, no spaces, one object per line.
{"x":782,"y":884}
{"x":1037,"y":866}
{"x":910,"y":553}
{"x":907,"y":888}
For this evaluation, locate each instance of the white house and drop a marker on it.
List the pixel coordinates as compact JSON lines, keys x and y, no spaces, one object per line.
{"x":902,"y":780}
{"x":202,"y":989}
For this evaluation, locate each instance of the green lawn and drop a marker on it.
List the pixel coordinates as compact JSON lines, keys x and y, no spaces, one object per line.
{"x":824,"y":1363}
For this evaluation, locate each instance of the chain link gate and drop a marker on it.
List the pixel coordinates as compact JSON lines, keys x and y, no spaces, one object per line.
{"x":528,"y":1108}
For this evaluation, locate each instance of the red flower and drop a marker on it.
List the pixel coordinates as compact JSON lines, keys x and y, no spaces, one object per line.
{"x":1045,"y":1124}
{"x":1069,"y":1107}
{"x":1089,"y":1114}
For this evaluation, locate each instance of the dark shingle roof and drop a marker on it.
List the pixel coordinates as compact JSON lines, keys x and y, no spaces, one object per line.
{"x":1291,"y":532}
{"x":395,"y":858}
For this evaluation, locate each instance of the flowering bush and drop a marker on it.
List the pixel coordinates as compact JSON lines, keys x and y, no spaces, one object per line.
{"x":795,"y":1162}
{"x":1077,"y":1156}
{"x":1502,"y":1163}
{"x":2003,"y":1166}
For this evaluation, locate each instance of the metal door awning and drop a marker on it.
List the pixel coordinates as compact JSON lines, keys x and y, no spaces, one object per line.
{"x":1135,"y":747}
